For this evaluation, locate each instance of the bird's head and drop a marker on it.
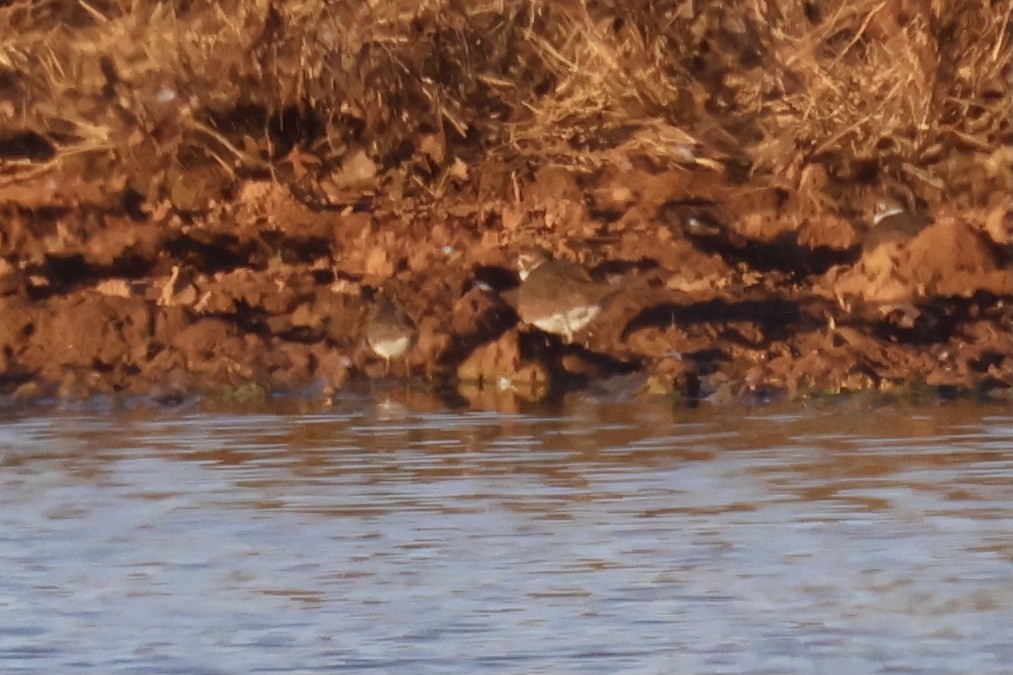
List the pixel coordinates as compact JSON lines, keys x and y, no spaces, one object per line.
{"x":529,"y":259}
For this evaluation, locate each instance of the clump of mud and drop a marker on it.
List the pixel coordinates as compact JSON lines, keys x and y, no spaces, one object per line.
{"x":788,"y":197}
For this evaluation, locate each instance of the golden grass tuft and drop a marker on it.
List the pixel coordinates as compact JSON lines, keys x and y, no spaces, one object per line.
{"x":912,"y":94}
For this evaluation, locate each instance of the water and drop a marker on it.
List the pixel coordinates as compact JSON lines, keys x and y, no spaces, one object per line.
{"x":600,"y":537}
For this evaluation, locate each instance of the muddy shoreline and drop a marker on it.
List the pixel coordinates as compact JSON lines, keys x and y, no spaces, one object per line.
{"x":788,"y":199}
{"x":719,"y":297}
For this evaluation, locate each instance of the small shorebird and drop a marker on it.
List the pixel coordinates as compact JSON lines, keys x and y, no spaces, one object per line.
{"x":389,"y":331}
{"x":893,"y":222}
{"x":558,"y":296}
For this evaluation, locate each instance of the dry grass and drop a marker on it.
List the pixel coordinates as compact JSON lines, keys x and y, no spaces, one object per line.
{"x":140,"y":94}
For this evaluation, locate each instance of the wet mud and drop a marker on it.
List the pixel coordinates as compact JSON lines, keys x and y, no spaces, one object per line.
{"x":722,"y":292}
{"x":780,"y":199}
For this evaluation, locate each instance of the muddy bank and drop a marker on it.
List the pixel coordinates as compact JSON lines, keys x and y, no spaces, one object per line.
{"x":781,"y":200}
{"x":717,"y":295}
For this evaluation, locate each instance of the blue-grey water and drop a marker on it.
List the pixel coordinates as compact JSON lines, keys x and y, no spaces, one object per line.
{"x":594,"y":537}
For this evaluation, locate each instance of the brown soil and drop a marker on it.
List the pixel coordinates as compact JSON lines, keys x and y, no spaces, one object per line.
{"x":171,"y":227}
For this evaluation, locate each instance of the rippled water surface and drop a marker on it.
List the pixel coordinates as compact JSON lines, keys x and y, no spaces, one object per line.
{"x":608,"y":537}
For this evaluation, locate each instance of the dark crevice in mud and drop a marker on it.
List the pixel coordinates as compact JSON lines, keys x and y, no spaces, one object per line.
{"x":283,"y":130}
{"x":707,"y":360}
{"x":134,"y":204}
{"x":61,"y":273}
{"x":784,"y":254}
{"x":869,"y":368}
{"x":294,"y":250}
{"x":253,"y":320}
{"x":64,"y":274}
{"x":737,"y":338}
{"x":495,"y":277}
{"x":219,"y":253}
{"x":305,"y":335}
{"x":935,"y":321}
{"x":924,"y":331}
{"x":986,"y":360}
{"x":26,"y":145}
{"x":1003,"y":254}
{"x":553,"y":350}
{"x":705,"y":223}
{"x":129,"y":265}
{"x":100,"y":366}
{"x":294,"y":126}
{"x":605,"y":215}
{"x":777,"y":317}
{"x":323,"y":277}
{"x":248,"y":319}
{"x":15,"y":375}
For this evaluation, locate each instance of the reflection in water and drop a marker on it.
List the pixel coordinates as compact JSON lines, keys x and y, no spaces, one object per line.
{"x":600,"y":537}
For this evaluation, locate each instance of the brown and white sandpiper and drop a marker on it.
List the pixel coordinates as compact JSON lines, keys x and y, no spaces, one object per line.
{"x":558,"y":296}
{"x":390,"y":332}
{"x":893,"y":222}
